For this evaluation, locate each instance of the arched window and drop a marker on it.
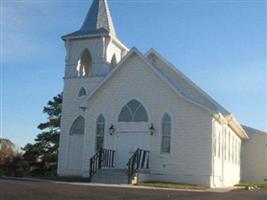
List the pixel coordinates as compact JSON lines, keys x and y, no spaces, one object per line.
{"x":100,"y":132}
{"x":82,"y":92}
{"x":113,"y":61}
{"x":133,"y":112}
{"x":84,"y":67}
{"x":166,"y":134}
{"x":77,"y":127}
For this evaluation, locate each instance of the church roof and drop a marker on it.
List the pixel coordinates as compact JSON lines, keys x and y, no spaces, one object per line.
{"x":179,"y":83}
{"x":98,"y":21}
{"x":252,"y":131}
{"x":183,"y":84}
{"x":175,"y":79}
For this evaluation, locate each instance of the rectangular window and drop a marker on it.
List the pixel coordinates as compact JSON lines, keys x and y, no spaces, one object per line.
{"x":239,"y":146}
{"x":229,"y":146}
{"x":224,"y":145}
{"x":234,"y":150}
{"x":236,"y":156}
{"x":219,"y":144}
{"x":214,"y":144}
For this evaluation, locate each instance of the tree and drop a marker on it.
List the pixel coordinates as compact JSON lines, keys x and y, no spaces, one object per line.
{"x":7,"y":150}
{"x":42,"y":155}
{"x":11,"y":161}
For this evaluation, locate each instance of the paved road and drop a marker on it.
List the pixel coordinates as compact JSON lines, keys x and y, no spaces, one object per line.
{"x":28,"y":190}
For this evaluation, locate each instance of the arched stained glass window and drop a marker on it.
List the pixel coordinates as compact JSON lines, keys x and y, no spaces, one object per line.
{"x":133,"y":111}
{"x":100,"y":132}
{"x":166,"y":134}
{"x":77,"y":127}
{"x":82,"y":92}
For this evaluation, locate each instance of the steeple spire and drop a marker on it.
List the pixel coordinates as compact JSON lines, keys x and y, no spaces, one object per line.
{"x":98,"y":18}
{"x":98,"y":21}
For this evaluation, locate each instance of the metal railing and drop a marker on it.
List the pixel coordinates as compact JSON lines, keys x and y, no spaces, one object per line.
{"x":102,"y":158}
{"x":139,"y":160}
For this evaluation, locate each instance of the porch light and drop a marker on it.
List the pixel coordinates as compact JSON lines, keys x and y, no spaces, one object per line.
{"x":111,"y":129}
{"x":152,"y":129}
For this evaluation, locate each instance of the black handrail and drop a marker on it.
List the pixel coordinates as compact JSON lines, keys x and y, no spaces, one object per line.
{"x":139,"y":160}
{"x":102,"y":158}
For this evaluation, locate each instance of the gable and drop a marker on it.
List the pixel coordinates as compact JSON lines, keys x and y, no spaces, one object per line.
{"x":132,"y":74}
{"x":127,"y":59}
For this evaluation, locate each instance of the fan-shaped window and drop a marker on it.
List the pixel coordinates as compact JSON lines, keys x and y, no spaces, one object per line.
{"x":82,"y":92}
{"x":113,"y":61}
{"x":77,"y":128}
{"x":133,"y":112}
{"x":84,"y":67}
{"x":166,"y":134}
{"x":100,"y":132}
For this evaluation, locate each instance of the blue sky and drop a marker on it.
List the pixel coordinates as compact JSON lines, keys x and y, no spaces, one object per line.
{"x":220,"y":45}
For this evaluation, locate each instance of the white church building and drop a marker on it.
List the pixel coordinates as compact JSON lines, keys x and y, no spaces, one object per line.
{"x":131,"y":116}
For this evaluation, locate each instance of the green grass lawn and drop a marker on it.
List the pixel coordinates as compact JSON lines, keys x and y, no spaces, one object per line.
{"x":255,"y":185}
{"x":171,"y":185}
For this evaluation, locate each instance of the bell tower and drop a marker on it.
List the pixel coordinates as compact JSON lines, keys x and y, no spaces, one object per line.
{"x":92,"y":50}
{"x":91,"y":53}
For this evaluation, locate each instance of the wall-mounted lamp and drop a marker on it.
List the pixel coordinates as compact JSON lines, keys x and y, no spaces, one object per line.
{"x":152,"y":129}
{"x":111,"y":129}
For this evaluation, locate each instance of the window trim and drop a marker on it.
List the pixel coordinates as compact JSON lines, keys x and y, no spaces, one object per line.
{"x":161,"y":133}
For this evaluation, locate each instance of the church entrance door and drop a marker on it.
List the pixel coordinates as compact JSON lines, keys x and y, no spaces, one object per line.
{"x":127,"y":144}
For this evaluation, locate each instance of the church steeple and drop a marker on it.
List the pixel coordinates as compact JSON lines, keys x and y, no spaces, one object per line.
{"x":94,"y":50}
{"x":98,"y":21}
{"x":98,"y":18}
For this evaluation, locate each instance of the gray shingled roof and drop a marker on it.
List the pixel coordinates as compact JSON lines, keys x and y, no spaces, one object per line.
{"x":97,"y":21}
{"x":250,"y":131}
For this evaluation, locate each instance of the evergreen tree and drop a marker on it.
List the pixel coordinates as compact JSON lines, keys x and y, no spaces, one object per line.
{"x":42,"y":155}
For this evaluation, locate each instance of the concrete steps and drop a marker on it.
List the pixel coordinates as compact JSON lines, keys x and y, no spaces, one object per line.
{"x":111,"y":176}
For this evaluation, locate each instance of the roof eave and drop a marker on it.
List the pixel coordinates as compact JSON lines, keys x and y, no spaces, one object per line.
{"x":85,"y":36}
{"x":119,"y":43}
{"x":233,"y":123}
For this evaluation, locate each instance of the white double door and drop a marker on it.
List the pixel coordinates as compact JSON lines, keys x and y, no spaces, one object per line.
{"x":127,"y":143}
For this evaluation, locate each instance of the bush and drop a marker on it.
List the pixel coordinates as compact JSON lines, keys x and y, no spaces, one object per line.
{"x":14,"y":166}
